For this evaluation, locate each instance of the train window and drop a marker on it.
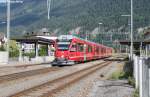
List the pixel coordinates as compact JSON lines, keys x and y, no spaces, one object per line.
{"x":80,"y":47}
{"x":89,"y":48}
{"x":63,"y":45}
{"x":97,"y":50}
{"x":64,"y":40}
{"x":73,"y":48}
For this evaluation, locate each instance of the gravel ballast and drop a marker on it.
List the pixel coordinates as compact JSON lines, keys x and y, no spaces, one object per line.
{"x":83,"y":87}
{"x":16,"y":86}
{"x":96,"y":85}
{"x":112,"y":88}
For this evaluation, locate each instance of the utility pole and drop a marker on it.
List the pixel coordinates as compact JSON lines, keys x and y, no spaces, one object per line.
{"x":48,"y":8}
{"x":8,"y":26}
{"x":8,"y":22}
{"x":131,"y":29}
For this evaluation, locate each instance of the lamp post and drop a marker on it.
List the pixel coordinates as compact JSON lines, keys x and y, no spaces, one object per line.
{"x":129,"y":30}
{"x":131,"y":34}
{"x":99,"y":32}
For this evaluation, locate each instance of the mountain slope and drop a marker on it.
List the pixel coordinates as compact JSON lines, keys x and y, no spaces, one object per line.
{"x":69,"y":14}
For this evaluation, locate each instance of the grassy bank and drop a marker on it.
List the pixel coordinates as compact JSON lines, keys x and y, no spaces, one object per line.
{"x":126,"y":72}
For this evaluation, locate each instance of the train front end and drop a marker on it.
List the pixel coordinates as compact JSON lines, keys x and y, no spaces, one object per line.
{"x":63,"y":51}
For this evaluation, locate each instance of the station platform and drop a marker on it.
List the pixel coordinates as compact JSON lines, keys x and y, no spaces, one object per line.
{"x":35,"y":61}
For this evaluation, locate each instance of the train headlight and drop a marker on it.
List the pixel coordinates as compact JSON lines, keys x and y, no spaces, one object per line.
{"x":62,"y":56}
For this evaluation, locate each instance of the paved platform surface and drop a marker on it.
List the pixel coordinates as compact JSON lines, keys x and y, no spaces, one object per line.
{"x":33,"y":62}
{"x":110,"y":88}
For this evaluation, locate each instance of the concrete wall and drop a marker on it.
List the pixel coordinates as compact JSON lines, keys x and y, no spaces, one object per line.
{"x":44,"y":59}
{"x":3,"y":57}
{"x":142,"y":75}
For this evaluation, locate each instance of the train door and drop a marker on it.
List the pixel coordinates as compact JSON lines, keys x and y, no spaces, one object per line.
{"x":73,"y":52}
{"x":100,"y":52}
{"x":97,"y":52}
{"x":107,"y":52}
{"x":89,"y":52}
{"x":80,"y":51}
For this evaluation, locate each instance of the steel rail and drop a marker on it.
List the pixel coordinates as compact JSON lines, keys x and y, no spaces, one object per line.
{"x":29,"y":73}
{"x":62,"y":82}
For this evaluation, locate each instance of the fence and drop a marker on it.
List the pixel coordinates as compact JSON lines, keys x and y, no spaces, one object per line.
{"x":142,"y":75}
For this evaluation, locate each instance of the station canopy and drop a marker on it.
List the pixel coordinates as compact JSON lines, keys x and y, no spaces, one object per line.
{"x":135,"y":42}
{"x":41,"y":39}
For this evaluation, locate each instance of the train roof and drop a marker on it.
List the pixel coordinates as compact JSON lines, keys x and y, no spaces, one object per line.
{"x":69,"y":37}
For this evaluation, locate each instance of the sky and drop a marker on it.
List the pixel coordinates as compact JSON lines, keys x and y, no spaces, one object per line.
{"x":2,"y":0}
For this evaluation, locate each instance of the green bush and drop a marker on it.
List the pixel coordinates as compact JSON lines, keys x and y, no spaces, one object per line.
{"x":123,"y":75}
{"x":13,"y":53}
{"x":31,"y":54}
{"x":116,"y":75}
{"x":43,"y":51}
{"x":136,"y":93}
{"x":13,"y":49}
{"x":131,"y":81}
{"x":2,"y":48}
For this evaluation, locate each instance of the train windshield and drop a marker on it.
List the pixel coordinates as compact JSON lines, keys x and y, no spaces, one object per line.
{"x":63,"y":45}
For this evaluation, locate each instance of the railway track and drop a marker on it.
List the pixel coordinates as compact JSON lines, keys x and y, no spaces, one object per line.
{"x":20,"y":75}
{"x":53,"y":86}
{"x":25,"y":66}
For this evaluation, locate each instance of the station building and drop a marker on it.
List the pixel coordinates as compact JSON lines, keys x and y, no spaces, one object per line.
{"x":32,"y":42}
{"x":141,"y":46}
{"x":2,"y":38}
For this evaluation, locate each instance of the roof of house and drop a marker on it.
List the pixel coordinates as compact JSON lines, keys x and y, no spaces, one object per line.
{"x":37,"y":34}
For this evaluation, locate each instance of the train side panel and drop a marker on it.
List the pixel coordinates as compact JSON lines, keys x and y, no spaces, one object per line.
{"x":70,"y":50}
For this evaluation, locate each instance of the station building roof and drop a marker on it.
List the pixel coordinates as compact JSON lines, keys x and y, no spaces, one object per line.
{"x":136,"y":43}
{"x":34,"y":39}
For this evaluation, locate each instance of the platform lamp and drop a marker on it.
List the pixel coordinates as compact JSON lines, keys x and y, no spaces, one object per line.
{"x":131,"y":34}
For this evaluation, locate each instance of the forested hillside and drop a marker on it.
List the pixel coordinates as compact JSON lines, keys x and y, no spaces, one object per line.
{"x":69,"y":14}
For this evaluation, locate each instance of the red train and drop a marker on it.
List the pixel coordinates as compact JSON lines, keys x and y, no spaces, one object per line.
{"x":71,"y":50}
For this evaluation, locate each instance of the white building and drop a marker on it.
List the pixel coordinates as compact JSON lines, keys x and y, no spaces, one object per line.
{"x":28,"y":48}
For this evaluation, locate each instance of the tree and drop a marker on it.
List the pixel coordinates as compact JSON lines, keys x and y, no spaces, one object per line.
{"x":13,"y":49}
{"x":43,"y":50}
